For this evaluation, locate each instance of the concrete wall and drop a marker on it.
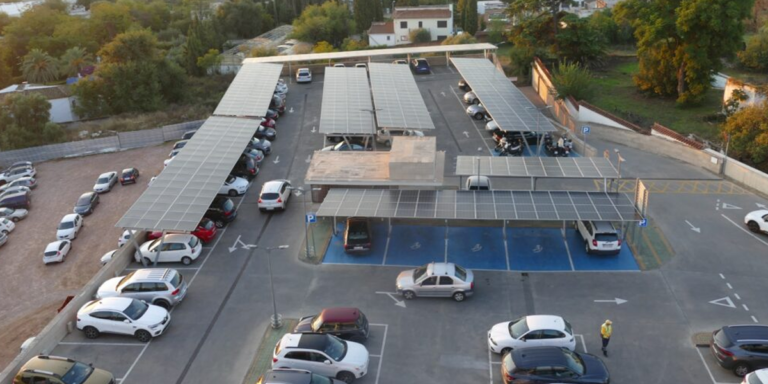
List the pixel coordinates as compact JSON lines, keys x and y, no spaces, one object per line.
{"x":745,"y":175}
{"x":60,"y":326}
{"x":381,"y":39}
{"x":587,"y":115}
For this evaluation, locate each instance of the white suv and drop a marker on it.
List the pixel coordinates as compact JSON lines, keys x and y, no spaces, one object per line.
{"x":176,"y":248}
{"x":531,"y":331}
{"x":322,"y":354}
{"x":274,"y":195}
{"x":122,"y":315}
{"x":757,"y":221}
{"x":303,"y":75}
{"x":599,"y":237}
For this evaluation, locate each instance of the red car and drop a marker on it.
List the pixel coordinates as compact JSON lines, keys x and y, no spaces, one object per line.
{"x":205,"y":231}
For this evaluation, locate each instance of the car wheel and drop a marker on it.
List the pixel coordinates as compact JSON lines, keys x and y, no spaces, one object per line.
{"x":15,"y":219}
{"x":91,"y":332}
{"x":346,"y":377}
{"x":218,"y":224}
{"x":504,"y":351}
{"x":147,"y":261}
{"x":476,"y":101}
{"x":163,"y":304}
{"x":741,"y":370}
{"x":753,"y":226}
{"x":586,"y":248}
{"x":186,"y":260}
{"x":232,"y":193}
{"x":459,"y":296}
{"x":388,"y":143}
{"x":478,"y":116}
{"x":409,"y":295}
{"x":5,"y":232}
{"x":143,"y":336}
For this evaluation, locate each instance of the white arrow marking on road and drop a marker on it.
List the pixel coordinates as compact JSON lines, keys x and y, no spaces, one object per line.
{"x":243,"y":245}
{"x":693,"y":228}
{"x":291,"y":111}
{"x":616,"y":300}
{"x":313,"y":130}
{"x":277,"y":160}
{"x":725,"y":302}
{"x":761,"y":205}
{"x":466,"y":134}
{"x":309,"y":159}
{"x":297,"y":192}
{"x":538,"y":248}
{"x":390,"y":294}
{"x":479,"y":149}
{"x":729,"y":206}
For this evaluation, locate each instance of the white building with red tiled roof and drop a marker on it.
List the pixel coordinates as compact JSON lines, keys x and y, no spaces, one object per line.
{"x":437,"y":19}
{"x":381,"y":33}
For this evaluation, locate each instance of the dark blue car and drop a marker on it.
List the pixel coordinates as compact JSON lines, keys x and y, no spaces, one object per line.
{"x":420,"y":66}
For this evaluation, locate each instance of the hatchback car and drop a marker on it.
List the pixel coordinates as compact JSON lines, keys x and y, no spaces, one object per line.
{"x":162,"y":287}
{"x":600,"y":237}
{"x":19,"y":164}
{"x":357,"y":236}
{"x":125,"y":237}
{"x":105,"y":182}
{"x":420,"y":66}
{"x":14,"y":215}
{"x":541,"y":365}
{"x":303,"y":75}
{"x":129,"y":176}
{"x":122,"y":315}
{"x":343,"y":146}
{"x":107,"y":257}
{"x":188,"y":134}
{"x":17,"y":173}
{"x":757,"y":221}
{"x":477,"y":111}
{"x":234,"y":186}
{"x":13,"y":190}
{"x":741,"y":348}
{"x":757,"y":377}
{"x":177,"y":146}
{"x":262,"y":145}
{"x":86,"y":203}
{"x":464,"y":86}
{"x":294,"y":376}
{"x":254,"y":154}
{"x":531,"y":331}
{"x":17,"y":200}
{"x":45,"y":369}
{"x":69,"y":226}
{"x":274,"y":195}
{"x":263,"y":132}
{"x":29,"y":182}
{"x":6,"y":226}
{"x":221,"y":211}
{"x":346,"y":323}
{"x":175,"y":248}
{"x":322,"y":354}
{"x":436,"y":280}
{"x":245,"y":167}
{"x":478,"y":183}
{"x":56,"y":251}
{"x":400,"y":61}
{"x":339,"y":65}
{"x":205,"y":231}
{"x":471,"y":98}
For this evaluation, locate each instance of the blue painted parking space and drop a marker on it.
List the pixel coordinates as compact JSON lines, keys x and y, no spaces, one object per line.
{"x":477,"y":247}
{"x":336,"y":255}
{"x":537,"y":249}
{"x":416,"y":245}
{"x":624,"y":261}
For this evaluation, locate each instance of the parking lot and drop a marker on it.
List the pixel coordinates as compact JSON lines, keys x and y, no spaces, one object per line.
{"x":217,"y":330}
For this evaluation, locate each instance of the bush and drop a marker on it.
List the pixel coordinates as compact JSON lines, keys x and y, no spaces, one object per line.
{"x":571,"y":79}
{"x":521,"y":58}
{"x":420,"y":35}
{"x":263,"y":52}
{"x":756,"y":55}
{"x":323,"y":47}
{"x":461,"y":38}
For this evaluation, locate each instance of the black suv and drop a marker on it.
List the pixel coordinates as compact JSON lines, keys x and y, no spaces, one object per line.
{"x":346,"y":323}
{"x":245,"y":167}
{"x":221,"y":211}
{"x":540,"y":365}
{"x":357,"y":237}
{"x":741,"y":348}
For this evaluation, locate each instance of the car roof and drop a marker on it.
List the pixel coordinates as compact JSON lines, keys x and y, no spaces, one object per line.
{"x":273,"y":186}
{"x":183,"y":237}
{"x":87,"y":194}
{"x":603,"y":226}
{"x":339,"y":315}
{"x":746,"y":332}
{"x":106,"y":174}
{"x":56,"y":365}
{"x":128,"y":170}
{"x":54,"y":245}
{"x":436,"y":269}
{"x":116,"y":303}
{"x":545,"y":322}
{"x":533,"y":357}
{"x":285,"y":376}
{"x":153,"y":274}
{"x":69,"y":217}
{"x":762,"y":374}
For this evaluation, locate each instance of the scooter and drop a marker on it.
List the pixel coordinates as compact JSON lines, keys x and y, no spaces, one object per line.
{"x":510,"y":148}
{"x":551,"y":148}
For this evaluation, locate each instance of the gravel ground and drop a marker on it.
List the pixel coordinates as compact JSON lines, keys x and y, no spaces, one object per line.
{"x":32,"y":291}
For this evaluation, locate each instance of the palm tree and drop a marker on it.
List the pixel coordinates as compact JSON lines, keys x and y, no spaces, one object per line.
{"x":74,"y":60}
{"x":39,"y":67}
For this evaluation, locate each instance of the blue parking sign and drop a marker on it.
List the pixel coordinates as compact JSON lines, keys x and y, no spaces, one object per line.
{"x":585,"y":129}
{"x":644,"y":223}
{"x":311,"y":218}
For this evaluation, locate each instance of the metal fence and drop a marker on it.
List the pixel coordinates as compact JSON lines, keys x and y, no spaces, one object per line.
{"x":123,"y":140}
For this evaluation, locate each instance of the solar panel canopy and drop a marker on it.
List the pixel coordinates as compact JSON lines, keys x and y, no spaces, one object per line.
{"x":479,"y":205}
{"x":561,"y":167}
{"x":397,"y":98}
{"x":251,"y":91}
{"x":181,"y":194}
{"x":506,"y":104}
{"x":346,"y":107}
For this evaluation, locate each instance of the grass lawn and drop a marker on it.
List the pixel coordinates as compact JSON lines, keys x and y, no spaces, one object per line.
{"x":750,"y":77}
{"x":617,"y":94}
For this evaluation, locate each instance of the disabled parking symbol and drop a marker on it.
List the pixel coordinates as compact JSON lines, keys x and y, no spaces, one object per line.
{"x":538,"y":248}
{"x":416,"y":246}
{"x":477,"y":248}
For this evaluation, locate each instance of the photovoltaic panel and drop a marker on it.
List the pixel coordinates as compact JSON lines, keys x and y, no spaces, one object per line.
{"x":397,"y":98}
{"x":479,"y":205}
{"x":506,"y":104}
{"x":346,"y":106}
{"x":179,"y":197}
{"x":251,"y":91}
{"x":561,"y":167}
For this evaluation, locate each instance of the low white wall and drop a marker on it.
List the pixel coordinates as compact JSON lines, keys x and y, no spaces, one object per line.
{"x":57,"y":328}
{"x":587,"y":115}
{"x":747,"y":176}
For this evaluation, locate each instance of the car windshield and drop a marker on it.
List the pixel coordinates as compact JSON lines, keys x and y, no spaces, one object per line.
{"x":269,"y":196}
{"x":66,"y":225}
{"x":136,"y":309}
{"x":207,"y":224}
{"x":102,"y":180}
{"x":84,"y":200}
{"x":228,"y":205}
{"x":125,"y":279}
{"x":568,"y":328}
{"x":574,"y":362}
{"x":460,"y":273}
{"x":78,"y":374}
{"x":193,"y":242}
{"x":335,"y":348}
{"x":518,"y":328}
{"x":419,"y":272}
{"x":317,"y":379}
{"x":607,"y":237}
{"x":127,"y":173}
{"x":154,"y":244}
{"x":230,"y":179}
{"x":753,"y":379}
{"x":176,"y":280}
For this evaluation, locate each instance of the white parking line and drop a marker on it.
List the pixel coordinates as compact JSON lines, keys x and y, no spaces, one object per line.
{"x":754,"y":319}
{"x":707,"y":368}
{"x":383,"y":344}
{"x":103,"y":344}
{"x":568,"y":251}
{"x":177,"y":268}
{"x":128,"y":372}
{"x":745,"y":231}
{"x":583,"y":344}
{"x":490,"y":365}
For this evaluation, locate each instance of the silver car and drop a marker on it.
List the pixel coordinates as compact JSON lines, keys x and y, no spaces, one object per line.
{"x":477,"y":111}
{"x":163,"y":287}
{"x":436,"y":280}
{"x":471,"y":98}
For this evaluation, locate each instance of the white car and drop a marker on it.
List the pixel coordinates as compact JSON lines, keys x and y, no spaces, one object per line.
{"x":531,"y":331}
{"x":303,"y":75}
{"x":384,"y":136}
{"x":274,"y":195}
{"x":17,"y":173}
{"x":757,"y":221}
{"x":124,"y":238}
{"x":69,"y":227}
{"x":757,"y":377}
{"x":176,"y":248}
{"x":151,"y":180}
{"x":108,"y":257}
{"x":339,"y":65}
{"x":6,"y":226}
{"x":28,"y":182}
{"x":329,"y":355}
{"x":105,"y":182}
{"x":361,"y":65}
{"x":491,"y":126}
{"x":471,"y":98}
{"x":14,"y":214}
{"x":56,"y":251}
{"x":122,"y":315}
{"x":166,"y":162}
{"x":234,"y":186}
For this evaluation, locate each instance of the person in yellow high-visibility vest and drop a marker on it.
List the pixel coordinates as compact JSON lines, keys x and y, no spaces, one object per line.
{"x":605,"y":333}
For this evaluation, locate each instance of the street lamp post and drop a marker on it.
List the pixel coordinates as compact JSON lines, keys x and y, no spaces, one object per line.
{"x":276,"y":320}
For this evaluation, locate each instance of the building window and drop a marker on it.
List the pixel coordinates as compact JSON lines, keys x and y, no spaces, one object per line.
{"x":420,"y":24}
{"x":404,"y":25}
{"x":442,"y":24}
{"x":387,"y":38}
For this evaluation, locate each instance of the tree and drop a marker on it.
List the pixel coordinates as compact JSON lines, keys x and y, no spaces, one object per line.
{"x":574,"y":80}
{"x":461,"y":38}
{"x":29,"y":31}
{"x":109,"y":20}
{"x":210,"y":62}
{"x":5,"y":20}
{"x":6,"y":77}
{"x":748,"y":131}
{"x":263,"y":52}
{"x":406,"y":3}
{"x":604,"y":23}
{"x":521,"y":57}
{"x":366,"y":12}
{"x":135,"y":45}
{"x":523,"y":9}
{"x":39,"y":67}
{"x":354,"y":45}
{"x":244,"y":19}
{"x":755,"y":56}
{"x":330,"y":22}
{"x":420,"y":35}
{"x":681,"y":42}
{"x":74,"y":60}
{"x":24,"y":122}
{"x":459,"y":13}
{"x":733,"y":104}
{"x":202,"y":36}
{"x":496,"y":32}
{"x":469,"y":16}
{"x":579,"y":41}
{"x":323,"y":47}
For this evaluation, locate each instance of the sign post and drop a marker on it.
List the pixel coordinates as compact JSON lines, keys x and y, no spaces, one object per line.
{"x":585,"y":131}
